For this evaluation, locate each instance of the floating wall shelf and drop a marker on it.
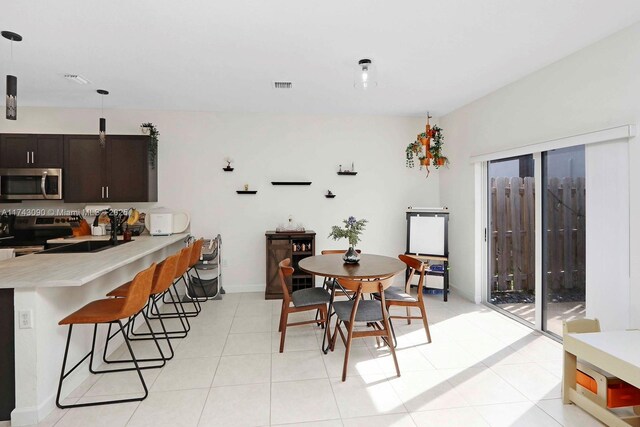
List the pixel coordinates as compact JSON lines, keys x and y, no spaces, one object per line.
{"x":348,"y":173}
{"x":329,"y":196}
{"x":227,"y":169}
{"x":291,"y":182}
{"x":247,"y":191}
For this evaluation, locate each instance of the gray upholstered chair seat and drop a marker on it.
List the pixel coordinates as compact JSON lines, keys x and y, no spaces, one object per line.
{"x":312,"y":296}
{"x":396,"y":294}
{"x":368,"y":310}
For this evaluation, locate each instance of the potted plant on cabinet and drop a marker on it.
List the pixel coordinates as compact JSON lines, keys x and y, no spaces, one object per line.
{"x":151,"y":130}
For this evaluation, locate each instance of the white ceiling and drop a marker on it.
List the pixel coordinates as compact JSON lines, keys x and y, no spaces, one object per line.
{"x":209,"y":55}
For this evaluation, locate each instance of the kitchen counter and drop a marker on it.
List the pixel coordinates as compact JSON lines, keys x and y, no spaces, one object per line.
{"x":77,"y":269}
{"x":47,"y":288}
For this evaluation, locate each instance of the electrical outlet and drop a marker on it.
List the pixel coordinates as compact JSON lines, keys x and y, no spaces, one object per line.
{"x":25,"y":319}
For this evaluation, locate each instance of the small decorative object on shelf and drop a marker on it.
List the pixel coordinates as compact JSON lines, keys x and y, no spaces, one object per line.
{"x":329,"y":195}
{"x":228,"y":168}
{"x":427,"y":148}
{"x":348,"y":172}
{"x":351,"y":230}
{"x":246,"y":190}
{"x":290,"y":227}
{"x":151,"y":130}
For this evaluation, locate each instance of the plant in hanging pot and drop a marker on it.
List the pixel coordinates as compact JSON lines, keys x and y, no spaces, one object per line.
{"x":151,"y":130}
{"x":435,"y":151}
{"x":413,"y":150}
{"x":351,"y":231}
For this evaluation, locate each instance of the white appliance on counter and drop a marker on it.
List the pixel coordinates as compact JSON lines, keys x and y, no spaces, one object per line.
{"x":161,"y":222}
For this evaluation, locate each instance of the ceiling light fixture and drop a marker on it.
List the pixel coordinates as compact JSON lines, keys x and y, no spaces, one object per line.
{"x":365,"y":75}
{"x":77,"y":78}
{"x":12,"y":81}
{"x":103,"y":122}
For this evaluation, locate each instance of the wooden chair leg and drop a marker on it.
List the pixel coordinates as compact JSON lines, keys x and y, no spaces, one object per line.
{"x":426,"y":323}
{"x":282,"y":309}
{"x":325,"y":314}
{"x":335,"y":335}
{"x":347,"y":351}
{"x":283,"y":332}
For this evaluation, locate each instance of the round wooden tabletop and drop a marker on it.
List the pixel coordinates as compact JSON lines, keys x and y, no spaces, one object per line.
{"x":369,"y":267}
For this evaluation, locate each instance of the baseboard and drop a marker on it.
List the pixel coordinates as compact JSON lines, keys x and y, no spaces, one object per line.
{"x":469,"y":296}
{"x":234,"y":289}
{"x":24,"y":416}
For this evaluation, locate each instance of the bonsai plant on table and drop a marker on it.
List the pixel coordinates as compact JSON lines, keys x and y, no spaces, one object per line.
{"x":351,"y":230}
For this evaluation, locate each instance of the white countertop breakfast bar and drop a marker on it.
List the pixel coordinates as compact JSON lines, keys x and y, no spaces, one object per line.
{"x":48,"y":287}
{"x":77,"y":269}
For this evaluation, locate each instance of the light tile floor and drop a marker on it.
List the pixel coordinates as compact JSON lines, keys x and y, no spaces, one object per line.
{"x":557,"y":312}
{"x":482,"y":369}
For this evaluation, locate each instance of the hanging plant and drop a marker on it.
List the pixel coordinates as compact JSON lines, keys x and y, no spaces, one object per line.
{"x":436,"y":148}
{"x":413,"y":150}
{"x":151,"y":130}
{"x":427,"y":148}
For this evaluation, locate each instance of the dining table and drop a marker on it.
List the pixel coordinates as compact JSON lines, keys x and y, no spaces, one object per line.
{"x":332,"y":266}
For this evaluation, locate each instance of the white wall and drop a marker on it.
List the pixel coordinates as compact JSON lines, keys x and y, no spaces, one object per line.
{"x":267,"y":148}
{"x":595,"y":88}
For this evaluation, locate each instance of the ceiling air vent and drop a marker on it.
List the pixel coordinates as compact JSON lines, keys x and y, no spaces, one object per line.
{"x":282,"y":85}
{"x":76,"y":78}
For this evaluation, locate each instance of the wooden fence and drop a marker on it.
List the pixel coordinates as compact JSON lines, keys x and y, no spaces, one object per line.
{"x":512,"y":249}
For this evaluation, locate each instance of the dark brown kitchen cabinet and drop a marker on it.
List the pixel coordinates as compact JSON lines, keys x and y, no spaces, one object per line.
{"x":118,"y":172}
{"x":31,"y":151}
{"x":295,"y":246}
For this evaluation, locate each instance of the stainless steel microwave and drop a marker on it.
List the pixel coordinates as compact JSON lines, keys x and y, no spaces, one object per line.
{"x":30,"y":184}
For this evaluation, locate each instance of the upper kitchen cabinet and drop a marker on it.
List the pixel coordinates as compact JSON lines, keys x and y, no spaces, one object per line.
{"x":119,"y":172}
{"x":31,"y":151}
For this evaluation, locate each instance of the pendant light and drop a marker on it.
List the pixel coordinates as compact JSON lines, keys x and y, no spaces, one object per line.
{"x":365,"y":77}
{"x":103,"y":122}
{"x":12,"y":81}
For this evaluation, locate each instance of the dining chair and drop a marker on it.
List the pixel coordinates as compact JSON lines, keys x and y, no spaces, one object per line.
{"x":371,"y":312}
{"x":330,"y":282}
{"x":395,"y":296}
{"x":303,"y":300}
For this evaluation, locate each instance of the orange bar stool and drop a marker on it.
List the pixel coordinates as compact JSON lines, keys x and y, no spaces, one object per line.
{"x":195,"y":258}
{"x":183,"y":266}
{"x":162,"y":278}
{"x":111,"y":310}
{"x":164,"y":288}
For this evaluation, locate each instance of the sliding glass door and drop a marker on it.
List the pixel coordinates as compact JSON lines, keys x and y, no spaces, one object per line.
{"x":511,"y":236}
{"x":563,"y":243}
{"x":513,"y":263}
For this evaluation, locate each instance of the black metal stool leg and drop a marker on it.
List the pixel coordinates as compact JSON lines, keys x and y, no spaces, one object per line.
{"x":64,"y":374}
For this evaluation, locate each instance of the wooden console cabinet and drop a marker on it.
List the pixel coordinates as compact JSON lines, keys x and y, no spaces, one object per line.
{"x":295,"y":246}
